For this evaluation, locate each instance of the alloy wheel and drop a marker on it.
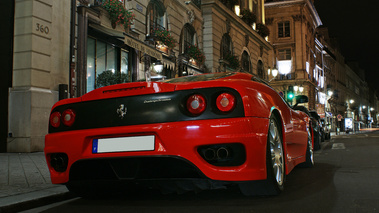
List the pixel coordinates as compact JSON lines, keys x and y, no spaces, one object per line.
{"x":276,"y":149}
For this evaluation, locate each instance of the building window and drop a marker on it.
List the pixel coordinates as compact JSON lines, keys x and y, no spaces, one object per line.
{"x":285,"y":54}
{"x":246,"y":64}
{"x":284,"y":61}
{"x":260,"y":69}
{"x":155,"y":17}
{"x":106,"y":64}
{"x":188,"y":38}
{"x":284,"y":29}
{"x":226,"y":46}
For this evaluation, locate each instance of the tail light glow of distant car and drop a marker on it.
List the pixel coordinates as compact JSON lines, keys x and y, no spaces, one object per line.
{"x":196,"y":104}
{"x":225,"y":102}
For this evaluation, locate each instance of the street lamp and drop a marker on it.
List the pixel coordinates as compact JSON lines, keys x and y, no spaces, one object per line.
{"x":274,"y":73}
{"x":156,"y":71}
{"x":351,"y":101}
{"x":237,"y":10}
{"x":301,"y":89}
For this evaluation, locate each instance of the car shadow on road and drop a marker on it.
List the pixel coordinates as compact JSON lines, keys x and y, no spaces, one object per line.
{"x":306,"y":190}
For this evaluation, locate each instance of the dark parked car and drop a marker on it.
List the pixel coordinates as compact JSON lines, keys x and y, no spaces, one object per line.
{"x":326,"y":128}
{"x":317,"y":132}
{"x":323,"y":130}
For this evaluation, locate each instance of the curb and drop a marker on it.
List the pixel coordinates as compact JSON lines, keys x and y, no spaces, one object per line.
{"x":27,"y":201}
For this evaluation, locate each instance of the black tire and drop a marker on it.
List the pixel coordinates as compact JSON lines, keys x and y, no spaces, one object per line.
{"x":275,"y":166}
{"x":309,"y":160}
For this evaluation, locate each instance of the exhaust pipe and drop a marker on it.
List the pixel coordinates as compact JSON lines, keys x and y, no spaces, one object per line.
{"x":59,"y":162}
{"x":209,"y":154}
{"x":222,"y":153}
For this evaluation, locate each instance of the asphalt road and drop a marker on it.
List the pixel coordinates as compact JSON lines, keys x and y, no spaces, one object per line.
{"x":344,"y":179}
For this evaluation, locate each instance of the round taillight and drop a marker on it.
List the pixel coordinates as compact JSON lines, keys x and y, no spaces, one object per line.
{"x":55,"y":119}
{"x":196,"y":104}
{"x":68,"y":117}
{"x":225,"y":102}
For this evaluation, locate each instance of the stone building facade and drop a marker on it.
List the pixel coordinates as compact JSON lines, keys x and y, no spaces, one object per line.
{"x":226,"y":33}
{"x":40,"y":63}
{"x":293,"y":25}
{"x":308,"y":58}
{"x":62,"y":49}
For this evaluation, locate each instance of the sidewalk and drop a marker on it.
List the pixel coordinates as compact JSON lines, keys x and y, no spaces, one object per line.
{"x":25,"y":182}
{"x":333,"y":134}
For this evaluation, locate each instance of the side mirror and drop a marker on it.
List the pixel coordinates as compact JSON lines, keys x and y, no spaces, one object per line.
{"x":300,"y":99}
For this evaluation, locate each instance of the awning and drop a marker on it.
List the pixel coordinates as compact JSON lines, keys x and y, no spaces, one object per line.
{"x":168,"y":63}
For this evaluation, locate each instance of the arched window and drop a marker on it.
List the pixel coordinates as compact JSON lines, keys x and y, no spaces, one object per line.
{"x":156,"y":17}
{"x":246,"y":64}
{"x":187,"y":38}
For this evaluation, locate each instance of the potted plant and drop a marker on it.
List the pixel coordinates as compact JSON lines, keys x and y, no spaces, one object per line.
{"x":165,"y":37}
{"x":117,"y":13}
{"x":263,"y":30}
{"x":232,"y":61}
{"x":107,"y":78}
{"x":194,"y":52}
{"x":248,"y":17}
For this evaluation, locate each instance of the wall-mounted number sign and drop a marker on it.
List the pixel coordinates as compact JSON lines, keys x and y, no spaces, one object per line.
{"x":42,"y":28}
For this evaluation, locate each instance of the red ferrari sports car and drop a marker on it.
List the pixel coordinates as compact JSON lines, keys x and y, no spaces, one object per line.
{"x":205,"y":131}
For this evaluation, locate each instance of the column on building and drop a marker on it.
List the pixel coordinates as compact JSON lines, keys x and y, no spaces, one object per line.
{"x":41,"y":59}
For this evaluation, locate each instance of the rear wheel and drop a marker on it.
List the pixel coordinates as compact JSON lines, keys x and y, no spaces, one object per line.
{"x":275,"y":165}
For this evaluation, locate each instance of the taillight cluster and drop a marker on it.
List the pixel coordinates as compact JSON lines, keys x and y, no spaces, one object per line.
{"x":225,"y":102}
{"x":196,"y":103}
{"x":67,"y":118}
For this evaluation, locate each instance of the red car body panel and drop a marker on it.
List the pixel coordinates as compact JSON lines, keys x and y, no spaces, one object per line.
{"x":182,"y":138}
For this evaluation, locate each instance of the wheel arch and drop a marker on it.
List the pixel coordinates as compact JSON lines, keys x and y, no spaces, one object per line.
{"x":275,"y":112}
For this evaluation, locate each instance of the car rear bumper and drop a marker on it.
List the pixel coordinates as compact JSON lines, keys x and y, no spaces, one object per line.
{"x":174,"y":140}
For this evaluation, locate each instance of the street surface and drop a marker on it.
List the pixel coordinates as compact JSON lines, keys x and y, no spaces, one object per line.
{"x":345,"y":179}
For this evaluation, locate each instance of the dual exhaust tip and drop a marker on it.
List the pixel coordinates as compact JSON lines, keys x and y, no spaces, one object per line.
{"x":220,"y":153}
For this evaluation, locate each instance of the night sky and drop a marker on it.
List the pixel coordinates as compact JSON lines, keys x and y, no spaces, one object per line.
{"x":355,"y":24}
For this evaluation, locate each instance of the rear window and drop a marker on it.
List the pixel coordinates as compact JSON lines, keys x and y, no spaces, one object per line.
{"x":205,"y":77}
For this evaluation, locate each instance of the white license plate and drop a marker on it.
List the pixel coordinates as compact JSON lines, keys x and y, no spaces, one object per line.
{"x":123,"y":144}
